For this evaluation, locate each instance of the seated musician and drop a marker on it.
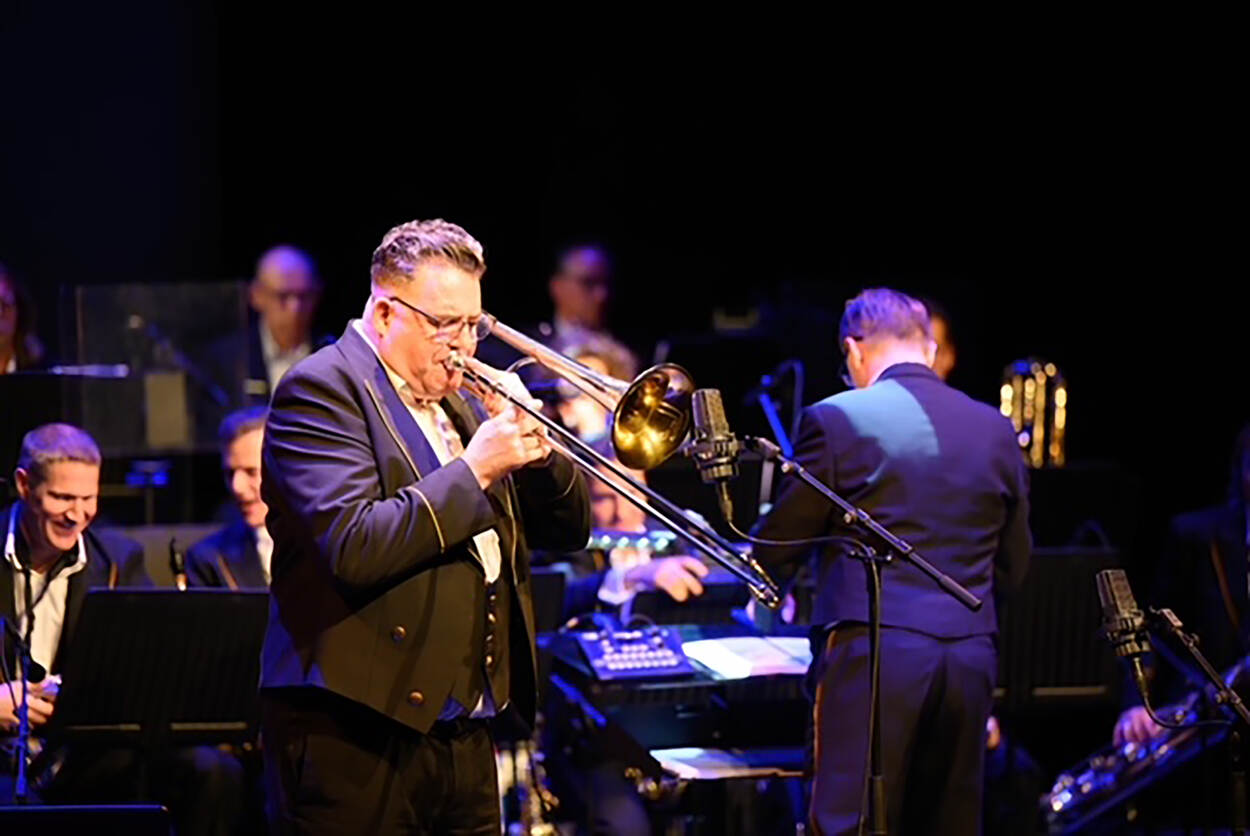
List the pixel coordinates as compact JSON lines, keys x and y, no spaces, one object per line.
{"x":238,"y":555}
{"x":53,"y":557}
{"x":607,"y":580}
{"x":1201,"y":576}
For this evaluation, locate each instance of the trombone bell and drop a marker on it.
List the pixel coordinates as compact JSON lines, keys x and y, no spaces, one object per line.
{"x":652,"y":417}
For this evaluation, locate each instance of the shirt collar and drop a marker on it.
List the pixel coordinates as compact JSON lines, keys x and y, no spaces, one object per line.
{"x":401,"y":386}
{"x":907,"y":370}
{"x":10,"y":545}
{"x":269,"y":346}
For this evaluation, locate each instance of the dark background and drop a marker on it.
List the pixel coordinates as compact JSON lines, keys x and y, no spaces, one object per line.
{"x":1072,"y":204}
{"x":1075,"y":198}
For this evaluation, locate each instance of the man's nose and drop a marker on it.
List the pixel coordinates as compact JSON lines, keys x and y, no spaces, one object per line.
{"x":463,"y":343}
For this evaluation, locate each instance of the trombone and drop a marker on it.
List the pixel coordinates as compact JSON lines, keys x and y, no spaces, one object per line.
{"x":650,"y":418}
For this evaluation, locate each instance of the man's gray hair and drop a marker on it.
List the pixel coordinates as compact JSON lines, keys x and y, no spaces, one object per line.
{"x":49,"y":444}
{"x":881,"y":312}
{"x":404,"y":247}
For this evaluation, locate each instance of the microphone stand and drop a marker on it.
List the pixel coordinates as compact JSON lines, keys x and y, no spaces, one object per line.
{"x":1165,"y":621}
{"x":895,"y":547}
{"x":21,"y":788}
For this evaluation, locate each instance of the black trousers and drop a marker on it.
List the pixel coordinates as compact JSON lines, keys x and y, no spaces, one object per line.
{"x":936,"y":695}
{"x":335,"y":767}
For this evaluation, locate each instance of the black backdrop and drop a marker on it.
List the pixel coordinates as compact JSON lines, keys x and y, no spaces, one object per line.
{"x":1072,"y":203}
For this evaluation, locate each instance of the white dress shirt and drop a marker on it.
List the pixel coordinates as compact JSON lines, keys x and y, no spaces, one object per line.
{"x":277,"y":361}
{"x":264,"y":549}
{"x":50,"y":597}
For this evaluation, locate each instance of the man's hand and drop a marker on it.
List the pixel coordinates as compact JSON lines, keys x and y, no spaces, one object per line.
{"x":496,"y":405}
{"x":41,"y":705}
{"x":1135,"y":726}
{"x":679,"y":576}
{"x":502,"y":444}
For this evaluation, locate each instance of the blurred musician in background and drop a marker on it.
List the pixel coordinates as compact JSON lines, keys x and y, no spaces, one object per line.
{"x":942,"y":472}
{"x":1203,"y":576}
{"x":944,"y":355}
{"x":20,"y":349}
{"x":238,"y":556}
{"x":581,"y":295}
{"x":402,"y":515}
{"x":53,"y":557}
{"x":581,"y":291}
{"x":284,"y":295}
{"x":607,"y":579}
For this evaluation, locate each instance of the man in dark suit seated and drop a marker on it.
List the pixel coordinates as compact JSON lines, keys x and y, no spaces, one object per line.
{"x":1202,"y":577}
{"x":942,"y":472}
{"x":53,"y":557}
{"x":283,"y":295}
{"x":402,"y":515}
{"x":237,"y":556}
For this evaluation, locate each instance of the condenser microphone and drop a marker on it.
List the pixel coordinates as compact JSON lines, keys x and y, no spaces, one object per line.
{"x":1122,"y":621}
{"x":715,"y":449}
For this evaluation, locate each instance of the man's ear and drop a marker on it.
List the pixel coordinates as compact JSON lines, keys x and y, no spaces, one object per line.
{"x":254,"y":292}
{"x":930,"y":352}
{"x":854,"y":351}
{"x":382,"y":311}
{"x":22,"y":480}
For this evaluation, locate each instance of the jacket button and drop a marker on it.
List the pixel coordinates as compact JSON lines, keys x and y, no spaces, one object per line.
{"x":490,"y":617}
{"x":490,"y":661}
{"x":415,"y":698}
{"x":398,"y":633}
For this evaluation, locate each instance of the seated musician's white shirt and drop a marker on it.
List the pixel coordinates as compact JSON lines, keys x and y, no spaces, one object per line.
{"x":277,"y":361}
{"x":264,"y":550}
{"x":49,"y":596}
{"x":428,"y":417}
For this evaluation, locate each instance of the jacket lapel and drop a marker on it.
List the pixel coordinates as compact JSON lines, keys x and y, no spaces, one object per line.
{"x":395,"y":415}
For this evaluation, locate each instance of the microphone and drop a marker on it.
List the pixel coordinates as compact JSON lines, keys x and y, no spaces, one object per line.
{"x":178,"y":565}
{"x":1125,"y":627}
{"x":714,"y":448}
{"x":1122,"y":621}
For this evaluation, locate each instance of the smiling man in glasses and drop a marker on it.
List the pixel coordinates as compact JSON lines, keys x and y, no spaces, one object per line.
{"x":402,"y":515}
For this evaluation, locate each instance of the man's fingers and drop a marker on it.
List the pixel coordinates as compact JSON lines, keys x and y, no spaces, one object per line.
{"x":676,"y":590}
{"x":694,"y":585}
{"x":694,"y":565}
{"x":40,"y":710}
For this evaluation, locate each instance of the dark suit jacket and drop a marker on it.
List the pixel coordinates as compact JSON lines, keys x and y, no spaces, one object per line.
{"x":376,"y":595}
{"x":113,"y":561}
{"x":936,"y":468}
{"x":227,"y":559}
{"x":1188,"y":583}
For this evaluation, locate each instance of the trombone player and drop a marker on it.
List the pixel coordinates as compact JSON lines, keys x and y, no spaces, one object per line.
{"x":402,"y":515}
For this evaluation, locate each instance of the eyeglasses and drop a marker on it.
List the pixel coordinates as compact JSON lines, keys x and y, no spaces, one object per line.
{"x":447,"y":329}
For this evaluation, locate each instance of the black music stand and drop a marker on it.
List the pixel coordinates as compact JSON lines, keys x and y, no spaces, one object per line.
{"x":160,"y":668}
